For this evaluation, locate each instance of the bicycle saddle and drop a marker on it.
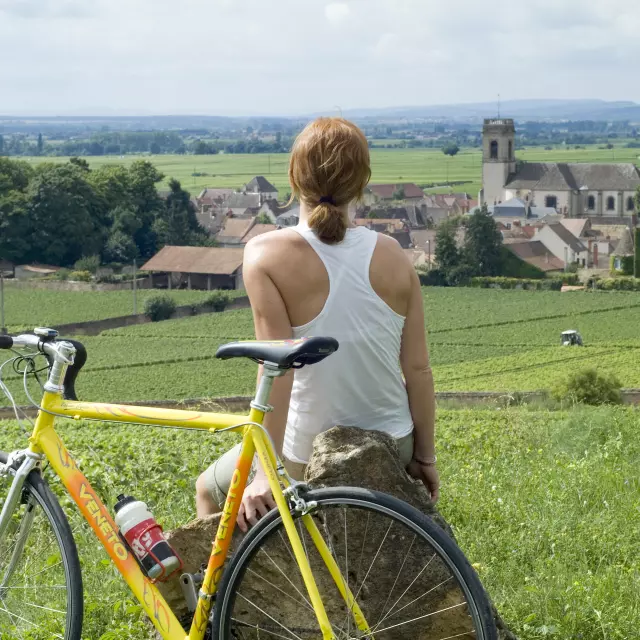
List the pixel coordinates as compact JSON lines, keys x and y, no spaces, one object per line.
{"x":286,"y":354}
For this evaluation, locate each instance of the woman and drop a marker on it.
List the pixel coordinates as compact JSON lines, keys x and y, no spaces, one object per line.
{"x":328,"y":277}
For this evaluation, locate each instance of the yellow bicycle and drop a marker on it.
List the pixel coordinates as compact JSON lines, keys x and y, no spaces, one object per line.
{"x":333,"y":563}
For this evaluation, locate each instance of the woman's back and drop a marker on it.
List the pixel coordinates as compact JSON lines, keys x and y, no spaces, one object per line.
{"x":358,"y":292}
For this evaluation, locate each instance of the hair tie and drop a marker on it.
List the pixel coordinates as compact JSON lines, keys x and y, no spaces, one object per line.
{"x":328,"y":200}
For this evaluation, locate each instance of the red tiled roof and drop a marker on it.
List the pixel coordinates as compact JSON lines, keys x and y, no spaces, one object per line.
{"x":386,"y":191}
{"x":209,"y":260}
{"x":258,"y":230}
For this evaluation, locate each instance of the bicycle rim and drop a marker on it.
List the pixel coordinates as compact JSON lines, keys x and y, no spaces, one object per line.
{"x":40,"y":579}
{"x":409,"y":579}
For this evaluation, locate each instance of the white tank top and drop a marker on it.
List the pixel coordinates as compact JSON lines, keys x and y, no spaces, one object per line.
{"x":361,"y":384}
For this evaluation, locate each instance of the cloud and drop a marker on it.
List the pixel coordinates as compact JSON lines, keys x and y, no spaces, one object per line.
{"x":235,"y":57}
{"x":38,"y":9}
{"x":337,"y":12}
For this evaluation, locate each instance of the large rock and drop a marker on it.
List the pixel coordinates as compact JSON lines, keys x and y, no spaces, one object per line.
{"x":357,"y":458}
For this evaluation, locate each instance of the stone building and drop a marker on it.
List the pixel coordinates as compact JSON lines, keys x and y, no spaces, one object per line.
{"x":573,"y":189}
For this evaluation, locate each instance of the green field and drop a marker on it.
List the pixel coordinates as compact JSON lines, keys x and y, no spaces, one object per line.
{"x":422,"y":166}
{"x":480,"y":340}
{"x":545,"y":504}
{"x":29,"y":308}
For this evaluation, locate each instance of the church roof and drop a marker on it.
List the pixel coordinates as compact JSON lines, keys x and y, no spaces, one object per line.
{"x":564,"y":176}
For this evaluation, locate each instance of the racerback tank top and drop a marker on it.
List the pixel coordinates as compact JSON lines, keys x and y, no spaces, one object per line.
{"x":360,"y":385}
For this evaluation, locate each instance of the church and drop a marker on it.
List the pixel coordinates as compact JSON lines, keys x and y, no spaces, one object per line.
{"x":572,"y":189}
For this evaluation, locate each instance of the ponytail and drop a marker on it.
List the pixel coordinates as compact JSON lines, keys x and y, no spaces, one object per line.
{"x":328,"y":222}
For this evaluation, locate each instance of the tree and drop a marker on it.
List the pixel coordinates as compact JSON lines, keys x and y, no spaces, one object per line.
{"x":15,"y":227}
{"x":62,"y":208}
{"x":81,"y":163}
{"x":447,"y":254}
{"x":147,"y":204}
{"x":399,"y":194}
{"x":40,"y":144}
{"x":483,"y":244}
{"x":264,"y":218}
{"x":154,"y":148}
{"x":14,"y":175}
{"x":177,"y":222}
{"x":120,"y":247}
{"x":450,"y":149}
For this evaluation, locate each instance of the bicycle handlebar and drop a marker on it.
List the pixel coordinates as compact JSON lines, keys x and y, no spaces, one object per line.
{"x":50,"y":350}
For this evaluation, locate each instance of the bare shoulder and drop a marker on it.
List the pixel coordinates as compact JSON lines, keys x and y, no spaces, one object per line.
{"x":269,"y":246}
{"x":388,"y":250}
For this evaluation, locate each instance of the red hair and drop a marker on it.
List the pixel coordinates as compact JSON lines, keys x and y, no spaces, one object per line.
{"x":329,"y":168}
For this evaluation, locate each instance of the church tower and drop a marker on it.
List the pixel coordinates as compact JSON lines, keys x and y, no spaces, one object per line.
{"x":498,"y":158}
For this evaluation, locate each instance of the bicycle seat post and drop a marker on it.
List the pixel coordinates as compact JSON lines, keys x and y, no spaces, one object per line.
{"x":270,"y":371}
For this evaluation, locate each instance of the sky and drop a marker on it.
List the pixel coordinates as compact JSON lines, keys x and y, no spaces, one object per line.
{"x":295,"y":57}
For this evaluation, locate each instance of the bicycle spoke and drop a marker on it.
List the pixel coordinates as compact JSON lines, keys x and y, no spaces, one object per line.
{"x":304,"y":604}
{"x":40,"y":586}
{"x":427,"y":615}
{"x":253,"y":604}
{"x":373,"y":561}
{"x":10,"y":616}
{"x":37,"y":606}
{"x":275,"y":564}
{"x":259,"y":629}
{"x":423,"y":595}
{"x":33,"y":624}
{"x":404,"y":592}
{"x":396,"y":580}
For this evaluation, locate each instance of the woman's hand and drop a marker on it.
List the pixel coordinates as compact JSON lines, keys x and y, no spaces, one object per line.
{"x":428,"y":475}
{"x":257,"y":501}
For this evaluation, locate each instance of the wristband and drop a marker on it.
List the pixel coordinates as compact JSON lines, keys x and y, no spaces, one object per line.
{"x":431,"y":462}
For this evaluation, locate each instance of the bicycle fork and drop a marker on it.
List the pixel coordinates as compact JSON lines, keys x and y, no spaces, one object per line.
{"x":8,"y":509}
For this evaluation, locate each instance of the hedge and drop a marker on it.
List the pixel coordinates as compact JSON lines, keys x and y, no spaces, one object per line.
{"x":550,"y":284}
{"x":623,"y":283}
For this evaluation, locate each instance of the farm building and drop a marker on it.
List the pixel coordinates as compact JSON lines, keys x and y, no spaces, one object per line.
{"x":196,"y":268}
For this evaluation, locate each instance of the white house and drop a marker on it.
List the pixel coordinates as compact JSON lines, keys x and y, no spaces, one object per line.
{"x":573,"y":189}
{"x":262,"y":186}
{"x":563,"y":244}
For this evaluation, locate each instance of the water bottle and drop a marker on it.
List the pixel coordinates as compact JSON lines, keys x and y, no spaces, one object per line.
{"x":144,"y":536}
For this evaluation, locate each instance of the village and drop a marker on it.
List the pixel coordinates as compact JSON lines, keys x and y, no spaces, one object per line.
{"x":556,"y":217}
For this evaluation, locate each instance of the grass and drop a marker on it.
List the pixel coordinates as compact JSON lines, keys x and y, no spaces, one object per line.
{"x":545,"y":504}
{"x":29,"y":308}
{"x":480,"y":340}
{"x":422,"y":166}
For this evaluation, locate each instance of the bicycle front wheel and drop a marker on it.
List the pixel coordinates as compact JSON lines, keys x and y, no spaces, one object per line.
{"x":410,"y":580}
{"x":40,"y":579}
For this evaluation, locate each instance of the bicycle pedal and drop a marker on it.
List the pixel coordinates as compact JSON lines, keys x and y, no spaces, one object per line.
{"x":190,"y":584}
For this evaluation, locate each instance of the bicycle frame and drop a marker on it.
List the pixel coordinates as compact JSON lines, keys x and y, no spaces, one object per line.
{"x":44,"y":441}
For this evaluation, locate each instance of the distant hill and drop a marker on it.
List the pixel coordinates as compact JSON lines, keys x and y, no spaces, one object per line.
{"x":519,"y":109}
{"x":472,"y":113}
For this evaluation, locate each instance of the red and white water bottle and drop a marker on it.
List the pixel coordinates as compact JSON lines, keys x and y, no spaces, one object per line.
{"x":144,"y":536}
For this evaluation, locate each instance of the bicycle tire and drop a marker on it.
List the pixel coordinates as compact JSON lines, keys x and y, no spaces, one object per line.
{"x":479,"y":607}
{"x":35,"y":486}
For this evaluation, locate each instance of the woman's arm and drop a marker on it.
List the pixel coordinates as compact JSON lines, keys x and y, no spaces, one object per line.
{"x":271,"y":322}
{"x":414,"y":359}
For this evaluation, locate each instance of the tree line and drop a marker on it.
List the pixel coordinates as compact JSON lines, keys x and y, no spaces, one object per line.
{"x":58,"y":213}
{"x":136,"y":142}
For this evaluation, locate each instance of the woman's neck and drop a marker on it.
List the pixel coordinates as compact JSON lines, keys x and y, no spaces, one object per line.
{"x":306,"y":210}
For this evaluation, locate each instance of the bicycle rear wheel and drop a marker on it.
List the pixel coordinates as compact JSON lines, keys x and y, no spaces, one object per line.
{"x":40,"y":578}
{"x":409,"y":578}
